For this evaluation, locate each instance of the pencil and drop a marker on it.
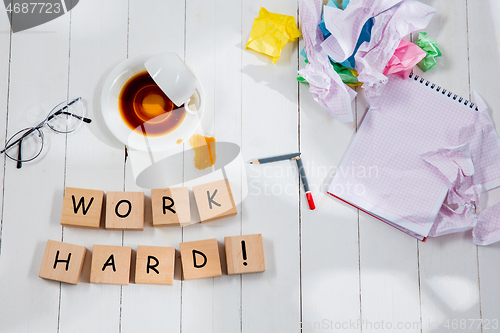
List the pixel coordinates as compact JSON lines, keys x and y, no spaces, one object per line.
{"x":275,"y":158}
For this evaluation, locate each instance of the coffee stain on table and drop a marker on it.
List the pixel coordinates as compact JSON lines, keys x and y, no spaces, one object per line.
{"x":204,"y":151}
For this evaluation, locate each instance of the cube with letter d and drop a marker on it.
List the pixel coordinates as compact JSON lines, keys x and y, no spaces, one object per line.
{"x":200,"y":259}
{"x":214,"y":200}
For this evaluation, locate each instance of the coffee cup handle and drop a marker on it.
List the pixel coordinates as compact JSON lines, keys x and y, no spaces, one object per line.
{"x":200,"y":105}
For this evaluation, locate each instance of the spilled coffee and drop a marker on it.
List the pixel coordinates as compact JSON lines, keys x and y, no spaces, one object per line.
{"x":146,"y":109}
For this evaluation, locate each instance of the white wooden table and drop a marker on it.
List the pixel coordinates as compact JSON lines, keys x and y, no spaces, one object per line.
{"x":328,"y":269}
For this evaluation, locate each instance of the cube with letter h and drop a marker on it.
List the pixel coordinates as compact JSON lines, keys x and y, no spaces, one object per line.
{"x":200,"y":259}
{"x":62,"y":262}
{"x":214,"y":200}
{"x":82,"y":208}
{"x":171,"y":206}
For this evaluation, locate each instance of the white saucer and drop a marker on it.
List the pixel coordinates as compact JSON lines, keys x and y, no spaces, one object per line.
{"x":111,"y":114}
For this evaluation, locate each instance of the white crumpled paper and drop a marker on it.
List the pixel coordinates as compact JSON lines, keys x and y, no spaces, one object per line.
{"x":325,"y":84}
{"x":470,"y":169}
{"x":393,"y":20}
{"x":388,"y":29}
{"x":345,"y":25}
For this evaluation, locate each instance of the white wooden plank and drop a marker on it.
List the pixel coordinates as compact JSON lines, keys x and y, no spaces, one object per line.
{"x":448,"y":264}
{"x":329,"y":251}
{"x":39,"y":55}
{"x":271,"y":300}
{"x":387,"y":281}
{"x":389,"y":277}
{"x":5,"y":38}
{"x":213,"y":34}
{"x":154,"y":27}
{"x":98,"y":43}
{"x":484,"y":32}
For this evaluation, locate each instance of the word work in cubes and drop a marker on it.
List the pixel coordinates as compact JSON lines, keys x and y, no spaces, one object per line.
{"x":171,"y":206}
{"x":214,"y":200}
{"x":62,"y":262}
{"x":82,"y":208}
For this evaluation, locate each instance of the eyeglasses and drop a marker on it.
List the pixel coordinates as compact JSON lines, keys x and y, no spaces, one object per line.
{"x":27,"y":144}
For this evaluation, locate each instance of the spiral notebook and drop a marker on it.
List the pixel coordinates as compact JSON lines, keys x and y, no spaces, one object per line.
{"x":383,"y":172}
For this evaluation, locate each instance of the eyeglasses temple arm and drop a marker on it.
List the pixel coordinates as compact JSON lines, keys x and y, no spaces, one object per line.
{"x":19,"y":156}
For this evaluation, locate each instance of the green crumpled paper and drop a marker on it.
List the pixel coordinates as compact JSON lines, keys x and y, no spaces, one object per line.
{"x":347,"y":75}
{"x":430,"y":47}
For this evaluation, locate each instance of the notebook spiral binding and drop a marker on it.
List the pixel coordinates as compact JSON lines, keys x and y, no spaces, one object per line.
{"x":443,"y":91}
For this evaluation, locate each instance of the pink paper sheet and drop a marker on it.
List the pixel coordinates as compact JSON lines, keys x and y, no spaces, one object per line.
{"x":487,"y":230}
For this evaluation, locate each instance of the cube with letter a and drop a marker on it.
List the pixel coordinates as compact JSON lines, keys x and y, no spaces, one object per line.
{"x":62,"y":262}
{"x":214,"y":200}
{"x":110,"y":264}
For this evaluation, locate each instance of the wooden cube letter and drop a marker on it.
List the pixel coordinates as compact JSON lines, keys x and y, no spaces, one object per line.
{"x":82,"y":208}
{"x":214,"y":200}
{"x":110,"y":264}
{"x":62,"y":262}
{"x":155,"y":265}
{"x":125,"y":210}
{"x":171,"y":206}
{"x":244,"y":254}
{"x":200,"y":259}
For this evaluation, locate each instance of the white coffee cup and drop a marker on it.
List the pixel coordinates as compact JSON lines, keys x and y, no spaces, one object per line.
{"x":175,"y":79}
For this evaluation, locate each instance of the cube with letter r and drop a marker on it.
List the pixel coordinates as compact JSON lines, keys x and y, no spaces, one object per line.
{"x":155,"y":265}
{"x":171,"y":206}
{"x":214,"y":200}
{"x":82,"y":208}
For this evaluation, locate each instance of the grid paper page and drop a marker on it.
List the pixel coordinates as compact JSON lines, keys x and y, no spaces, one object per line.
{"x":383,"y":172}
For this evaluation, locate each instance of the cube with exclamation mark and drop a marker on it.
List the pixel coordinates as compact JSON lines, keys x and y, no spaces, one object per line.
{"x":244,"y":254}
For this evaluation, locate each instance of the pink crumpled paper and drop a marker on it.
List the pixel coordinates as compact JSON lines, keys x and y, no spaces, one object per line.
{"x":405,"y":57}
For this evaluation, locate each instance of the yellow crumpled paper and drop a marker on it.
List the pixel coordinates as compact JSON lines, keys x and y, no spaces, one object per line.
{"x":271,"y":32}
